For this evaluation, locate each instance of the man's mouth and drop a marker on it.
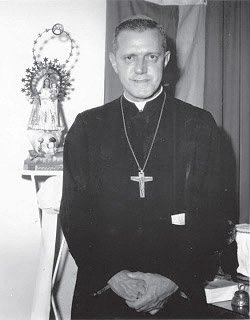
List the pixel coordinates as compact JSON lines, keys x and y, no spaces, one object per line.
{"x":141,"y":80}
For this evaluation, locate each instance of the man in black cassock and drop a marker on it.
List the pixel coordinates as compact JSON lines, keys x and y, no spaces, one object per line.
{"x":141,"y":208}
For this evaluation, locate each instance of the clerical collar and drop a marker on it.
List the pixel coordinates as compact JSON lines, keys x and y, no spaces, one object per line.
{"x":141,"y":104}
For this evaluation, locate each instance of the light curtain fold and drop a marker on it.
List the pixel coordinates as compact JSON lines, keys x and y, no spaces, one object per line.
{"x":190,"y":45}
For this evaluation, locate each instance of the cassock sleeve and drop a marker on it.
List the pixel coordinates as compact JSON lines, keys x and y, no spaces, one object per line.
{"x":74,"y":209}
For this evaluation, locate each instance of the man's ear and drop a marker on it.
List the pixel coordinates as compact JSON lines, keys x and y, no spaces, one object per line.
{"x":112,"y":60}
{"x":167,"y":58}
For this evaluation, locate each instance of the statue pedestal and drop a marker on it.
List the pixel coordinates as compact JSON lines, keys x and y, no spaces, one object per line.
{"x":48,"y":199}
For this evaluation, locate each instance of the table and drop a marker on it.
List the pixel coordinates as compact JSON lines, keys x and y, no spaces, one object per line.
{"x":45,"y":278}
{"x":223,"y":310}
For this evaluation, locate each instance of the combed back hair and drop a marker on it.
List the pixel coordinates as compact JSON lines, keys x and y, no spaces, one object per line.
{"x":139,"y":23}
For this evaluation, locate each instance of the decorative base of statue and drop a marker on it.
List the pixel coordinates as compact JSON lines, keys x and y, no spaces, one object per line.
{"x":45,"y":142}
{"x":47,"y":153}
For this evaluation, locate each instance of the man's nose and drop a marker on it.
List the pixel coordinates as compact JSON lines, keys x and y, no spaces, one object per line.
{"x":141,"y":66}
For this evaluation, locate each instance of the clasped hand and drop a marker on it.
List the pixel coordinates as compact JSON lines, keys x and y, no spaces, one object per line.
{"x":144,"y":292}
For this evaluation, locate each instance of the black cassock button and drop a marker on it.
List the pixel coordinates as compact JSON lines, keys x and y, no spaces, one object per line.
{"x":113,"y":231}
{"x":139,"y":230}
{"x":90,"y":268}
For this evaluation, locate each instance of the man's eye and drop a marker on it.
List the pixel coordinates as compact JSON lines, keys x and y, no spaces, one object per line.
{"x":129,"y":58}
{"x":153,"y":57}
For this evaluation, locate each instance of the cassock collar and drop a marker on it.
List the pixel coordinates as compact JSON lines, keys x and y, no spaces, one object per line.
{"x":141,"y":104}
{"x":150,"y":107}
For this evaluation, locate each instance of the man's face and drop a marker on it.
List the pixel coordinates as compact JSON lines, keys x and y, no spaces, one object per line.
{"x":139,"y":61}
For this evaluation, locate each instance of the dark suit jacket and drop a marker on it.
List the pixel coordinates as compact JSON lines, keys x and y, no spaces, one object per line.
{"x":107,"y":225}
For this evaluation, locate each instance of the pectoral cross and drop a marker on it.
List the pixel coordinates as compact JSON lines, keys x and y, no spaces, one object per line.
{"x":141,"y":179}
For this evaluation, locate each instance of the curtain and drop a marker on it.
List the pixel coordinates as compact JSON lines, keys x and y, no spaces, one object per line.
{"x":190,"y":46}
{"x":227,"y":96}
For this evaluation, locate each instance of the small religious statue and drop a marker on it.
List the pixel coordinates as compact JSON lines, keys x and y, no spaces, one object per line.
{"x":46,"y":86}
{"x":46,"y":118}
{"x":44,"y":115}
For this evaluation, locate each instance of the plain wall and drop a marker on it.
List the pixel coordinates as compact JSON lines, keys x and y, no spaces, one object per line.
{"x":20,"y":23}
